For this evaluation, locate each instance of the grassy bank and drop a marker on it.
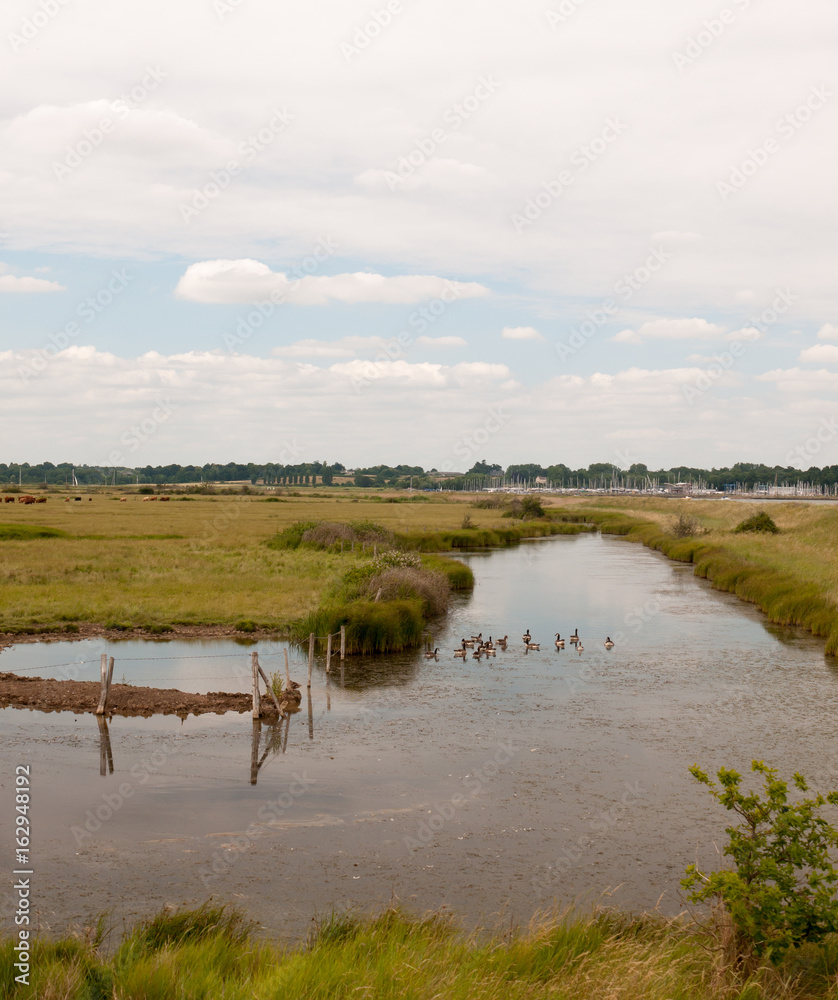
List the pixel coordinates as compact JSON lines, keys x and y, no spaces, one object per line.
{"x":210,"y":953}
{"x":792,"y":576}
{"x":193,"y":561}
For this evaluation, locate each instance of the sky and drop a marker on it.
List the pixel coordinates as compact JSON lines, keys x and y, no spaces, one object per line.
{"x":418,"y":232}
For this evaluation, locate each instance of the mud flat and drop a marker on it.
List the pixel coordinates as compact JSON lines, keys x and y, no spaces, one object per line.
{"x":124,"y":699}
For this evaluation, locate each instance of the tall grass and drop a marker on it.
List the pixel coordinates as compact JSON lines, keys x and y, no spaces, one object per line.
{"x":398,"y":957}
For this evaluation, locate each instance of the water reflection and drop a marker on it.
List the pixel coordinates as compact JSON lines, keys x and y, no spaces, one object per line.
{"x":274,"y":743}
{"x":105,"y":752}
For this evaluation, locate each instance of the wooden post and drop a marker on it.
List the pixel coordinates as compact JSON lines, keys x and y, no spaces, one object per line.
{"x":310,"y":656}
{"x":105,"y":752}
{"x":310,"y":718}
{"x":342,"y":643}
{"x":287,"y":674}
{"x":103,"y":697}
{"x":268,"y":687}
{"x":329,"y":653}
{"x":254,"y":669}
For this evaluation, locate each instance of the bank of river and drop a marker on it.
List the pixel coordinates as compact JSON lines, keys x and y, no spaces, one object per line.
{"x":485,"y":786}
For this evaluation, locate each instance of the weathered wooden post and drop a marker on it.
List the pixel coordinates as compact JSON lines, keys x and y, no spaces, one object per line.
{"x":107,"y":674}
{"x":254,"y":669}
{"x":329,"y":653}
{"x":342,"y":643}
{"x":105,"y":752}
{"x":254,"y":751}
{"x":268,"y":687}
{"x":310,"y":655}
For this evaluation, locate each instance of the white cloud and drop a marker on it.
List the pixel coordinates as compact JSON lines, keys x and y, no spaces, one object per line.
{"x":671,"y":329}
{"x":674,"y":236}
{"x":26,"y":285}
{"x":443,"y":175}
{"x":345,"y":347}
{"x":826,"y":354}
{"x":227,"y":281}
{"x":521,"y":333}
{"x":829,"y":331}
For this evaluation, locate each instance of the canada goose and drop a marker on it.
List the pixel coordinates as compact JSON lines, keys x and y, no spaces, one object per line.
{"x":460,"y":652}
{"x":489,"y":651}
{"x":431,"y":655}
{"x":468,"y":642}
{"x":608,"y":643}
{"x":477,"y":638}
{"x":575,"y":636}
{"x":503,"y":641}
{"x":477,"y":654}
{"x":526,"y":636}
{"x":533,"y":645}
{"x":579,"y":647}
{"x":559,"y":642}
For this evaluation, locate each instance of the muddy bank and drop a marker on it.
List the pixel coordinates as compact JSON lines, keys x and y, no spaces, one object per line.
{"x":91,"y":631}
{"x":125,"y":699}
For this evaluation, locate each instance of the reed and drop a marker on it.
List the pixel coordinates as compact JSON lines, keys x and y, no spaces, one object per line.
{"x":395,"y":956}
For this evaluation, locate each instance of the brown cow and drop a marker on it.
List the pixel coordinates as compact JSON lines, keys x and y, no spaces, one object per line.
{"x":41,"y":500}
{"x":8,"y":499}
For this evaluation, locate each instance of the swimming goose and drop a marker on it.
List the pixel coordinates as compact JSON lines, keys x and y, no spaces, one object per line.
{"x":533,"y":645}
{"x":468,"y":642}
{"x":559,"y":641}
{"x":526,"y":636}
{"x":579,"y":647}
{"x":503,"y":641}
{"x":432,"y":655}
{"x":608,"y":643}
{"x":460,"y":652}
{"x":575,"y":636}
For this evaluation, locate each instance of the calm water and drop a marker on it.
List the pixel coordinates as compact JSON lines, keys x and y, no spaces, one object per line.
{"x":490,"y":787}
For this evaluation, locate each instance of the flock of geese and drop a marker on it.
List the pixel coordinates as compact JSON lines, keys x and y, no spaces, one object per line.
{"x":486,"y":647}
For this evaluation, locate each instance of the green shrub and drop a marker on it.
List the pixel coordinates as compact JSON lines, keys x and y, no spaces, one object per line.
{"x":781,"y":893}
{"x":685,"y":526}
{"x":246,"y":625}
{"x":758,"y":522}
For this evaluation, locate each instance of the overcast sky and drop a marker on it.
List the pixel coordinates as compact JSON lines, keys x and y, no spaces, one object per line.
{"x":416,"y":231}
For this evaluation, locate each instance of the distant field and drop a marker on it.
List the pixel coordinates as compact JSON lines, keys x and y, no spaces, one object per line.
{"x":192,"y":562}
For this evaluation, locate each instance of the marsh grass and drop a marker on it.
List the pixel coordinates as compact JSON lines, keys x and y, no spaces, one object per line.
{"x":394,"y":956}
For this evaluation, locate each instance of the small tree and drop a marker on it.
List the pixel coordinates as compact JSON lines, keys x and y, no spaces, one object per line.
{"x":685,"y":526}
{"x":782,"y":890}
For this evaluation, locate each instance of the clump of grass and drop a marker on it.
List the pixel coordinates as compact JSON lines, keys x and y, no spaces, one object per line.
{"x":760,"y":521}
{"x":686,"y":526}
{"x":408,"y":582}
{"x":371,"y":626}
{"x":246,"y":625}
{"x":186,"y":926}
{"x":27,"y":532}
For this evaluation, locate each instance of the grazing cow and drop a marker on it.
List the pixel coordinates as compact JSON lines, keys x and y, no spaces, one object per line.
{"x":164,"y":498}
{"x":41,"y":500}
{"x":77,"y":498}
{"x":123,"y":499}
{"x":26,"y":499}
{"x":8,"y":499}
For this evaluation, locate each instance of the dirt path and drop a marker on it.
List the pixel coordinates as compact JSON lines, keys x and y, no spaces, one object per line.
{"x":124,"y":699}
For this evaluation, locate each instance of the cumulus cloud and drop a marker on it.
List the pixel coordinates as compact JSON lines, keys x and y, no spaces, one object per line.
{"x":442,"y":342}
{"x":829,"y":331}
{"x":521,"y":333}
{"x":26,"y":285}
{"x":246,"y":281}
{"x":671,"y":329}
{"x":826,"y":354}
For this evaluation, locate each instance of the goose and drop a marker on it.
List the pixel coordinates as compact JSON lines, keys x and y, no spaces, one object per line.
{"x":468,"y":642}
{"x":526,"y":636}
{"x":559,"y":641}
{"x":579,"y":647}
{"x":503,"y":641}
{"x":575,"y":636}
{"x":477,"y":654}
{"x":460,"y":652}
{"x":432,"y":655}
{"x":533,"y":645}
{"x":608,"y":643}
{"x":489,"y":651}
{"x":477,"y":638}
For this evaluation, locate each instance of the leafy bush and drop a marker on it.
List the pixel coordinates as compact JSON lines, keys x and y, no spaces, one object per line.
{"x":782,"y":891}
{"x":526,"y":509}
{"x":758,"y":522}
